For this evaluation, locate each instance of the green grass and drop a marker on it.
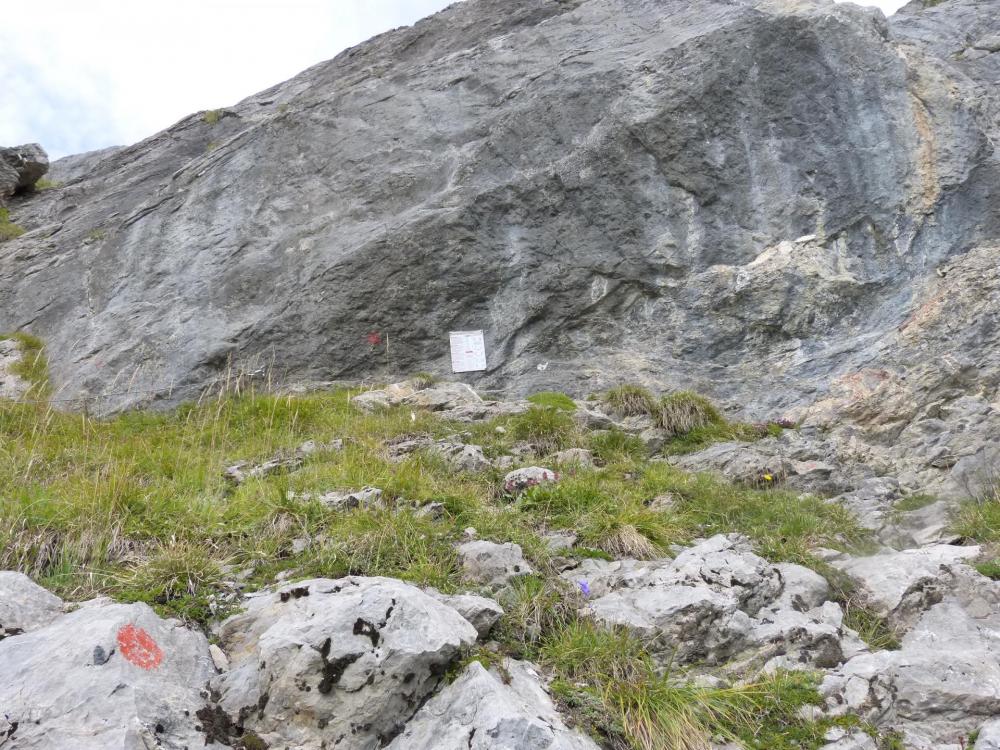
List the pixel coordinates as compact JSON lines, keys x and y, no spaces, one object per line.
{"x":212,"y":116}
{"x":33,"y":366}
{"x":609,"y":681}
{"x":46,"y":184}
{"x":8,"y":229}
{"x":990,"y":569}
{"x":553,"y":400}
{"x":979,"y":518}
{"x":871,"y":628}
{"x":610,"y":446}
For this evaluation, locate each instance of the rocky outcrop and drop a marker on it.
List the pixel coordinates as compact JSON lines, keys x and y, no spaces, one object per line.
{"x":336,"y":662}
{"x":20,"y":168}
{"x":778,"y":204}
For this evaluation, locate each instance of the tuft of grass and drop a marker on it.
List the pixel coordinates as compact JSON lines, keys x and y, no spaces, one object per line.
{"x":990,"y":569}
{"x":612,"y":685}
{"x":871,"y":628}
{"x":611,"y":446}
{"x":547,"y":428}
{"x":553,"y":400}
{"x":177,"y":580}
{"x":683,"y":411}
{"x":46,"y":184}
{"x":979,"y":518}
{"x":630,"y":400}
{"x":96,"y":235}
{"x":8,"y":229}
{"x":212,"y":116}
{"x":914,"y":502}
{"x":424,"y":380}
{"x":33,"y":366}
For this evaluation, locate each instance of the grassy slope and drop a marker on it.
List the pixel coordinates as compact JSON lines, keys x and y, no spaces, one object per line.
{"x":137,"y":507}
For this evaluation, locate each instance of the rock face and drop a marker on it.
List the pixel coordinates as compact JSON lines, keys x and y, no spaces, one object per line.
{"x":20,"y":168}
{"x":774,"y":203}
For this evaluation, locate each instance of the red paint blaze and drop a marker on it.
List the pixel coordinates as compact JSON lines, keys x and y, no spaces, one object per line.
{"x":136,"y":645}
{"x":374,"y":338}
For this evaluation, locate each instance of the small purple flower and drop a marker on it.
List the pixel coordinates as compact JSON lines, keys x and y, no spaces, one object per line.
{"x":584,"y":588}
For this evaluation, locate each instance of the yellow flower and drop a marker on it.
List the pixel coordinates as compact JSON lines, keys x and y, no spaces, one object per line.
{"x":768,"y":478}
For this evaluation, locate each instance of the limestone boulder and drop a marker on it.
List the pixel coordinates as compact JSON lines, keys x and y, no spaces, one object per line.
{"x":345,"y":663}
{"x":507,"y":709}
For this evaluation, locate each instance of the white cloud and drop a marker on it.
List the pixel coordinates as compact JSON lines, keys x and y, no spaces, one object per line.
{"x":80,"y":75}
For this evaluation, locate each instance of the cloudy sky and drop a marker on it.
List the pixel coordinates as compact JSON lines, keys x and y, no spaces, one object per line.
{"x":84,"y":74}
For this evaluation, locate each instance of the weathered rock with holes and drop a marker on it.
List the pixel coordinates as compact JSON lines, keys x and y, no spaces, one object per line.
{"x":519,"y":480}
{"x":343,"y":663}
{"x":802,"y":588}
{"x":902,"y":585}
{"x":791,"y":639}
{"x":492,"y":564}
{"x":699,"y":605}
{"x":580,"y":457}
{"x":365,"y":498}
{"x":24,"y":605}
{"x":505,"y":709}
{"x":482,"y":613}
{"x":742,"y":463}
{"x":460,"y":456}
{"x":940,"y":686}
{"x":105,"y":677}
{"x":727,"y":564}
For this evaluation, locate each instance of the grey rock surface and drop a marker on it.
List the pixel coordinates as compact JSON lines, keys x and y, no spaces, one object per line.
{"x":902,"y":585}
{"x":989,"y":736}
{"x":24,"y":605}
{"x":492,"y":564}
{"x":784,"y":205}
{"x":105,"y":677}
{"x":519,"y":480}
{"x":482,"y":710}
{"x":941,"y":685}
{"x":20,"y":168}
{"x":336,"y":662}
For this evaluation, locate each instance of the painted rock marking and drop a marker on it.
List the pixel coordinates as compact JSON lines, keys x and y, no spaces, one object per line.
{"x":138,"y":647}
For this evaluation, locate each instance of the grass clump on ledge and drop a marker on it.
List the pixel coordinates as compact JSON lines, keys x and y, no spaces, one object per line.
{"x":547,"y":428}
{"x":8,"y":229}
{"x":553,"y":400}
{"x":212,"y":116}
{"x":630,"y":400}
{"x":683,"y":411}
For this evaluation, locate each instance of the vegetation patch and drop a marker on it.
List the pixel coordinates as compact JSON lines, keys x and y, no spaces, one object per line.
{"x":33,"y":366}
{"x":553,"y":400}
{"x":630,"y":400}
{"x":212,"y":116}
{"x":8,"y":229}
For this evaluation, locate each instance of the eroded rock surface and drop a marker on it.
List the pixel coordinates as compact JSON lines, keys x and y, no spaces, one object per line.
{"x":345,"y":662}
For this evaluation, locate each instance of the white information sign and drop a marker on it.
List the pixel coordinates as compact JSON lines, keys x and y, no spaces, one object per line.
{"x":468,"y":351}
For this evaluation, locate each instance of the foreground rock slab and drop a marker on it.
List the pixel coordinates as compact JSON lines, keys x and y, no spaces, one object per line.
{"x":483,"y":710}
{"x":336,"y":663}
{"x":105,"y":677}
